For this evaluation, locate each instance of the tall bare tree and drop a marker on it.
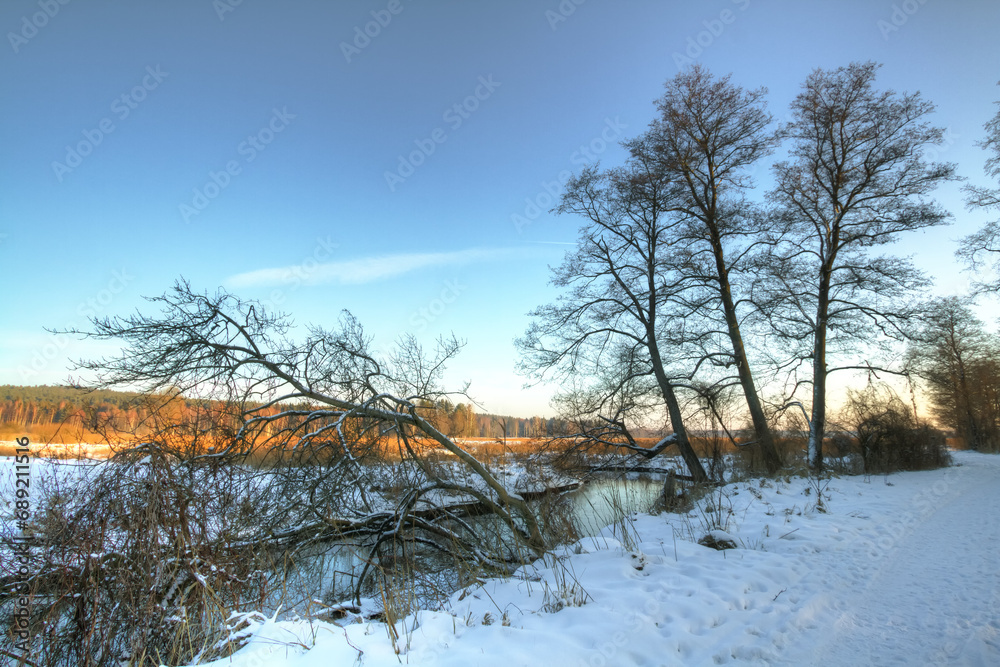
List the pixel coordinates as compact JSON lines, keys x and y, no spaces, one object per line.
{"x":856,"y":181}
{"x":709,"y":134}
{"x":981,"y":250}
{"x":609,"y":323}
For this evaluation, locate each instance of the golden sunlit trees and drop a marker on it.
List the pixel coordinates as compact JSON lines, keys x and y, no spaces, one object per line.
{"x":958,"y":363}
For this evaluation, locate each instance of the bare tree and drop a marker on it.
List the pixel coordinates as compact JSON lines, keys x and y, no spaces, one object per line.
{"x":609,"y":323}
{"x":225,"y":346}
{"x":857,"y":180}
{"x":291,"y":448}
{"x":709,"y":134}
{"x":981,"y":250}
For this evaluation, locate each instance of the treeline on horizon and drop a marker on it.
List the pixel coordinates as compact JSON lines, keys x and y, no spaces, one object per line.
{"x":23,"y":409}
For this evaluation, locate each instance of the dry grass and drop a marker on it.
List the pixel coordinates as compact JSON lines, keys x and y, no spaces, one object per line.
{"x":53,"y":441}
{"x":705,"y":448}
{"x":76,"y":450}
{"x":131,"y":567}
{"x":956,"y":443}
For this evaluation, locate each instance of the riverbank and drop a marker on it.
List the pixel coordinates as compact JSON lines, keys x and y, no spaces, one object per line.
{"x":881,"y":570}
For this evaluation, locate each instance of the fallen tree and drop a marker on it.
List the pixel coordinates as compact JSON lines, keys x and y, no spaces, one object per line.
{"x":296,"y":446}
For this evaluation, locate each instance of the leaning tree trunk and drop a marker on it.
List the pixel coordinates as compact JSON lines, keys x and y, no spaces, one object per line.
{"x":762,"y":430}
{"x":676,"y":418}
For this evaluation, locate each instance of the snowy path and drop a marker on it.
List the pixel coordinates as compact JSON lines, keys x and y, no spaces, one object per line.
{"x":929,"y":596}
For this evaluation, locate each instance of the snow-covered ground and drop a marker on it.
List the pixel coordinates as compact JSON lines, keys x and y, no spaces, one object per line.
{"x":903,"y":569}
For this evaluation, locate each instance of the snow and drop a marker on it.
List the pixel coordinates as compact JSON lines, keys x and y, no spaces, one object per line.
{"x":902,"y":569}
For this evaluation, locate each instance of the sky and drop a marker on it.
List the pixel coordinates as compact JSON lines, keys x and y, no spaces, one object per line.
{"x":397,"y":159}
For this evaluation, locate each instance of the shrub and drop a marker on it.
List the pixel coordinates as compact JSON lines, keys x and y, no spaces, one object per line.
{"x":125,"y":568}
{"x":889,"y":437}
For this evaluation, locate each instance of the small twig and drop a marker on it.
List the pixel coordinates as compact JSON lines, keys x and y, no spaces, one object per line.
{"x":348,"y":640}
{"x":22,"y":659}
{"x":775,"y":599}
{"x":787,"y":534}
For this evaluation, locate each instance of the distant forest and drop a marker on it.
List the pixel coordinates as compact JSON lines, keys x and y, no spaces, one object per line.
{"x":29,"y":408}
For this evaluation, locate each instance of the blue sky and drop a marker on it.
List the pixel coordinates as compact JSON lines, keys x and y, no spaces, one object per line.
{"x":278,"y":150}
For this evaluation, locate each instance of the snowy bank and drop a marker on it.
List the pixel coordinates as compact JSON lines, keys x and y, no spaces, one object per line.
{"x":903,"y":569}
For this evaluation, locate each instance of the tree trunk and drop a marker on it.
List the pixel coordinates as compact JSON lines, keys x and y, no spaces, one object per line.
{"x":762,"y":430}
{"x":964,"y":403}
{"x":817,"y":426}
{"x":507,"y":499}
{"x":676,"y":419}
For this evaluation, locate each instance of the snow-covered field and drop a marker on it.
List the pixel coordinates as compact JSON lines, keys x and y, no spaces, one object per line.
{"x":903,"y":569}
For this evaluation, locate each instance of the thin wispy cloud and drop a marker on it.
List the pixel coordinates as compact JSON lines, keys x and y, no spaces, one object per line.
{"x":368,"y":269}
